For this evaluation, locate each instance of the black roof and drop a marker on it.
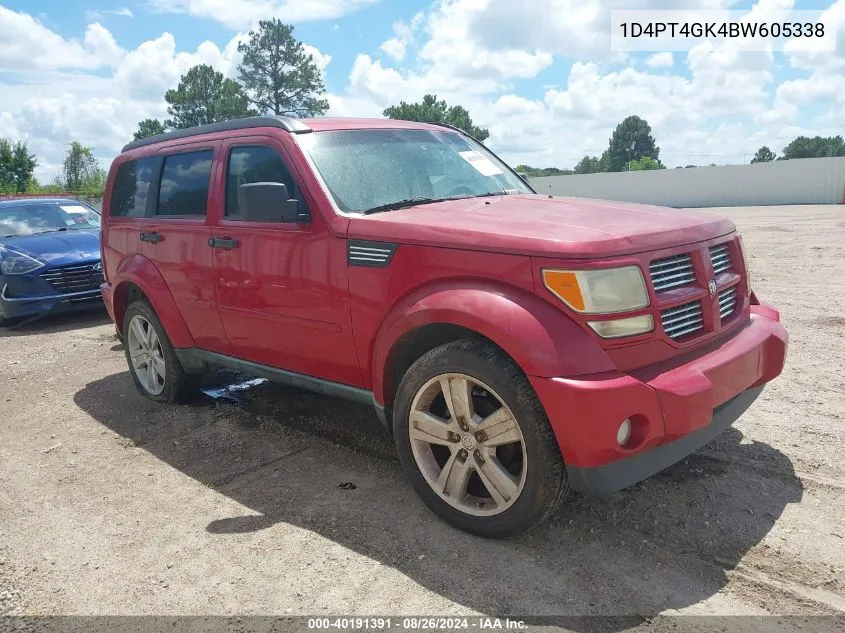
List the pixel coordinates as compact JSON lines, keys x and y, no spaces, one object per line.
{"x":289,"y":124}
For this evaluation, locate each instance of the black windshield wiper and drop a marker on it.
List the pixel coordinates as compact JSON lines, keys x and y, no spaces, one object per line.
{"x":489,"y":194}
{"x":62,"y":228}
{"x":400,"y":204}
{"x":504,"y":192}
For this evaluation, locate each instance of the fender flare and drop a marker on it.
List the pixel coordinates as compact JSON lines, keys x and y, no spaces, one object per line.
{"x":140,"y":271}
{"x":539,"y":337}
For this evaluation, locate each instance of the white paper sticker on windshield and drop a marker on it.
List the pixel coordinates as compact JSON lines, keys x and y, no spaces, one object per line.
{"x":67,"y":208}
{"x":481,"y":163}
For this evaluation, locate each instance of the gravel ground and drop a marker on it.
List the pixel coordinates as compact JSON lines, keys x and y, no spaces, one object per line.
{"x":114,"y":505}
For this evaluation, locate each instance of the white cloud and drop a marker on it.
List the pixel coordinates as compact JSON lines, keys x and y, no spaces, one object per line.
{"x":660,"y":60}
{"x":103,"y":45}
{"x":396,"y":46}
{"x":26,"y":43}
{"x":709,"y":105}
{"x":123,"y":12}
{"x":52,"y":103}
{"x":319,"y":58}
{"x":720,"y":110}
{"x":243,"y":14}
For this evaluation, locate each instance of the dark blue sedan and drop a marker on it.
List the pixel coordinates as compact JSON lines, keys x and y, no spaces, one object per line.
{"x":49,"y":258}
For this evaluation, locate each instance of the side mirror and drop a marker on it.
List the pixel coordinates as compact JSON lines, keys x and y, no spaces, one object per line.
{"x":269,"y":202}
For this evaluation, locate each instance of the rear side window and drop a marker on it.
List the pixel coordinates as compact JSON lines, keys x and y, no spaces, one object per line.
{"x":184,"y":184}
{"x":131,"y":187}
{"x":254,"y":164}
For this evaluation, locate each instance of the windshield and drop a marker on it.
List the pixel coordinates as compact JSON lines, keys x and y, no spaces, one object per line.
{"x":30,"y":219}
{"x":369,"y":169}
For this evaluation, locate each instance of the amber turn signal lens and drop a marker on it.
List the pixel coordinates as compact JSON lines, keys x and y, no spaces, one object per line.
{"x":564,"y":284}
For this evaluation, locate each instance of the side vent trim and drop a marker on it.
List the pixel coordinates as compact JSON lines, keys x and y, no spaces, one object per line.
{"x":370,"y":254}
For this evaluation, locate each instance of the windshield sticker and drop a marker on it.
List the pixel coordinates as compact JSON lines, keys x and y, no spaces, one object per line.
{"x":73,"y":208}
{"x":78,"y":215}
{"x":481,"y":163}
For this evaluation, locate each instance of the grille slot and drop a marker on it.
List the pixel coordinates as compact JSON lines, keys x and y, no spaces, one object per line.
{"x":682,"y":320}
{"x":74,"y":278}
{"x":720,"y":257}
{"x":727,"y":303}
{"x":671,"y":272}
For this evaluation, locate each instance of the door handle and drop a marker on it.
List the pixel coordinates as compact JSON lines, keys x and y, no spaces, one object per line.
{"x":153,"y":237}
{"x":223,"y":242}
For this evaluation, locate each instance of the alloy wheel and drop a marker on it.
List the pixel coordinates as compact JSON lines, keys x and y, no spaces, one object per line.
{"x":146,"y":355}
{"x":467,"y":444}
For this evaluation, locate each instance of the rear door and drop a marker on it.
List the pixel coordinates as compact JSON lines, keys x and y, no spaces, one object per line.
{"x":282,"y":289}
{"x":175,"y":237}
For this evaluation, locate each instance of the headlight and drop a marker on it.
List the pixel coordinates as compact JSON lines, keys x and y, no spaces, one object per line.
{"x":599,"y":291}
{"x":14,"y":263}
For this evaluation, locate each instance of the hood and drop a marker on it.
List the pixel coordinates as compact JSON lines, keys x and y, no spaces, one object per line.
{"x":542,"y":226}
{"x":58,"y":247}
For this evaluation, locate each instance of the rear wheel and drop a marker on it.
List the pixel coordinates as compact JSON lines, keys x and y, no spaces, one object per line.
{"x":155,"y":369}
{"x":475,"y":442}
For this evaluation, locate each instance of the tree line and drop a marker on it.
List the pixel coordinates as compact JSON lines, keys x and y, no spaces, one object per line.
{"x":804,"y":147}
{"x":632,"y":148}
{"x":278,"y":76}
{"x":81,"y":172}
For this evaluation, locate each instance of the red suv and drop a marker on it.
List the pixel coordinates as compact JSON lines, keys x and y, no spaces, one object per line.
{"x":516,"y":345}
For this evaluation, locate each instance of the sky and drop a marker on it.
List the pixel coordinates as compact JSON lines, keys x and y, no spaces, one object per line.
{"x":538,"y":74}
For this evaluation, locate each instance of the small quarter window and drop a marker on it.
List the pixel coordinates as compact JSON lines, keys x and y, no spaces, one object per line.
{"x":131,"y":187}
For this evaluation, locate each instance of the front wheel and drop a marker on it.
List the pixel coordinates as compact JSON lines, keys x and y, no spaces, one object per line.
{"x":475,"y":442}
{"x":9,"y":321}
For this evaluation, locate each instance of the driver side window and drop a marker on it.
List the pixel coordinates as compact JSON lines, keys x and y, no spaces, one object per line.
{"x":254,"y":163}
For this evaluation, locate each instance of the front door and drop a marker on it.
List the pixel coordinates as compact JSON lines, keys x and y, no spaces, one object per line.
{"x":175,"y":238}
{"x":282,"y":291}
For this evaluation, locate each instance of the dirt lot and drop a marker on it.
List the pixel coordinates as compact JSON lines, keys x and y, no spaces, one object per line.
{"x":111,"y":504}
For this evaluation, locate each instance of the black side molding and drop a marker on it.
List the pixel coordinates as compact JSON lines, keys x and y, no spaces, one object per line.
{"x":194,"y":359}
{"x":370,"y":254}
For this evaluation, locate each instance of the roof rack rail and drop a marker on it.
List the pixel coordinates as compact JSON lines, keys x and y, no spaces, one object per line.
{"x":289,"y":124}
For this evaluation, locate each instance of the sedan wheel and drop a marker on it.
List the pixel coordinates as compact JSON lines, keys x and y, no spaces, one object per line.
{"x":467,"y":444}
{"x":146,"y":355}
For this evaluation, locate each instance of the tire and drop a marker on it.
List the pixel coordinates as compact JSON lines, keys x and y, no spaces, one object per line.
{"x":534,"y":482}
{"x":172,"y":384}
{"x":9,"y":321}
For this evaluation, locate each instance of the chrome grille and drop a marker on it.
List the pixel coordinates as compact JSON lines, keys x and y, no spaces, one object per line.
{"x":75,"y":278}
{"x":671,"y":272}
{"x":727,"y":303}
{"x":682,"y":320}
{"x":720,"y":256}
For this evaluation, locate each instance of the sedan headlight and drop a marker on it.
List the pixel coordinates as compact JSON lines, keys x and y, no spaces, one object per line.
{"x":14,"y":263}
{"x":599,"y":291}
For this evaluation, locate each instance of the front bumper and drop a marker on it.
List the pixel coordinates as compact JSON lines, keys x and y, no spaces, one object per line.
{"x":602,"y":480}
{"x":675,"y":408}
{"x":22,"y":307}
